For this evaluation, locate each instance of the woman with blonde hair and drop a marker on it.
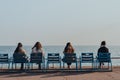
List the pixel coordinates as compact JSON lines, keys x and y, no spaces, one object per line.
{"x":36,"y":49}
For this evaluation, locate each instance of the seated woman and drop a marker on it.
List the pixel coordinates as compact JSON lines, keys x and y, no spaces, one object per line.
{"x":68,"y":49}
{"x":37,"y":48}
{"x":102,"y":49}
{"x":19,"y":53}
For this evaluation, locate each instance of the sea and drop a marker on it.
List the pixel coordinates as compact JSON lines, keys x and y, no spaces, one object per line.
{"x":114,"y":50}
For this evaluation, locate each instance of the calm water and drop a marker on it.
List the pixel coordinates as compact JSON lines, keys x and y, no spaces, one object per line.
{"x":114,"y":50}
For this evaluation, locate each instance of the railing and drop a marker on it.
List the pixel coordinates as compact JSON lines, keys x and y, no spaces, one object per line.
{"x":115,"y":57}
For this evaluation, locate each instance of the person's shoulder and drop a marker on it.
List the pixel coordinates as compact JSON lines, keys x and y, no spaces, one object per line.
{"x":22,"y":50}
{"x":100,"y":48}
{"x":34,"y":50}
{"x":105,"y":47}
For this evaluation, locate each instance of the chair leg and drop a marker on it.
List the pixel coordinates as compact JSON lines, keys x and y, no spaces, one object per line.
{"x":12,"y":65}
{"x":28,"y":66}
{"x":8,"y":65}
{"x":92,"y":65}
{"x":111,"y":66}
{"x":15,"y":65}
{"x":43,"y":64}
{"x":76,"y":66}
{"x":47,"y":65}
{"x":53,"y":65}
{"x":80,"y":66}
{"x":24,"y":66}
{"x":60,"y":65}
{"x":31,"y":65}
{"x":39,"y":65}
{"x":63,"y":65}
{"x":96,"y":65}
{"x":1,"y":65}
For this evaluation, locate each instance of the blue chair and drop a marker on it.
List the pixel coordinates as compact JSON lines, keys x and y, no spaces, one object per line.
{"x":53,"y":58}
{"x":86,"y":58}
{"x":104,"y":58}
{"x":19,"y":58}
{"x":4,"y":60}
{"x":70,"y":58}
{"x":37,"y":58}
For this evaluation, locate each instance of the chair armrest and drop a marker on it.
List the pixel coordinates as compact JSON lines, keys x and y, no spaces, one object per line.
{"x":96,"y":57}
{"x":80,"y":58}
{"x":43,"y":58}
{"x":60,"y":58}
{"x":10,"y":59}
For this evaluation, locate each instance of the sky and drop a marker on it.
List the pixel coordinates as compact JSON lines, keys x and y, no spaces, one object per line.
{"x":56,"y":22}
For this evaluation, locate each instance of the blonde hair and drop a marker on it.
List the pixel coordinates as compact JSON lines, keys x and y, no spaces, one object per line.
{"x":37,"y":45}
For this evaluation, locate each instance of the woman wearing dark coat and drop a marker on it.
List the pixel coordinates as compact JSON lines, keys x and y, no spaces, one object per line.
{"x":19,"y":53}
{"x":102,"y":49}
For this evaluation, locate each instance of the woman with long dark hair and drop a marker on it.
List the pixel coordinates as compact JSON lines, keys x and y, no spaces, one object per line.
{"x":68,"y":49}
{"x":20,"y":51}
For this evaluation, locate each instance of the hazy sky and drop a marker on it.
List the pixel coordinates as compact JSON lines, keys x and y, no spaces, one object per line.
{"x":55,"y":22}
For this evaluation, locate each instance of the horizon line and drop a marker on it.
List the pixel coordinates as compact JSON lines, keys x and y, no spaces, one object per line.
{"x":60,"y":45}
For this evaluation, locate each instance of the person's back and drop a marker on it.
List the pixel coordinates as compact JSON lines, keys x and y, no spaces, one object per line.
{"x":19,"y":55}
{"x":68,"y":49}
{"x":102,"y":49}
{"x":37,"y":49}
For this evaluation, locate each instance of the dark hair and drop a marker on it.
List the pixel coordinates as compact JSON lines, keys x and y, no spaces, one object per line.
{"x":18,"y":46}
{"x":37,"y":45}
{"x":66,"y":47}
{"x":103,"y":43}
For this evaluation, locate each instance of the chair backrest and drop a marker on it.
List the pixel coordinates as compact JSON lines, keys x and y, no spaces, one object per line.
{"x":3,"y":57}
{"x":36,"y":57}
{"x":104,"y":57}
{"x":69,"y":57}
{"x":19,"y":58}
{"x":87,"y":57}
{"x":53,"y":57}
